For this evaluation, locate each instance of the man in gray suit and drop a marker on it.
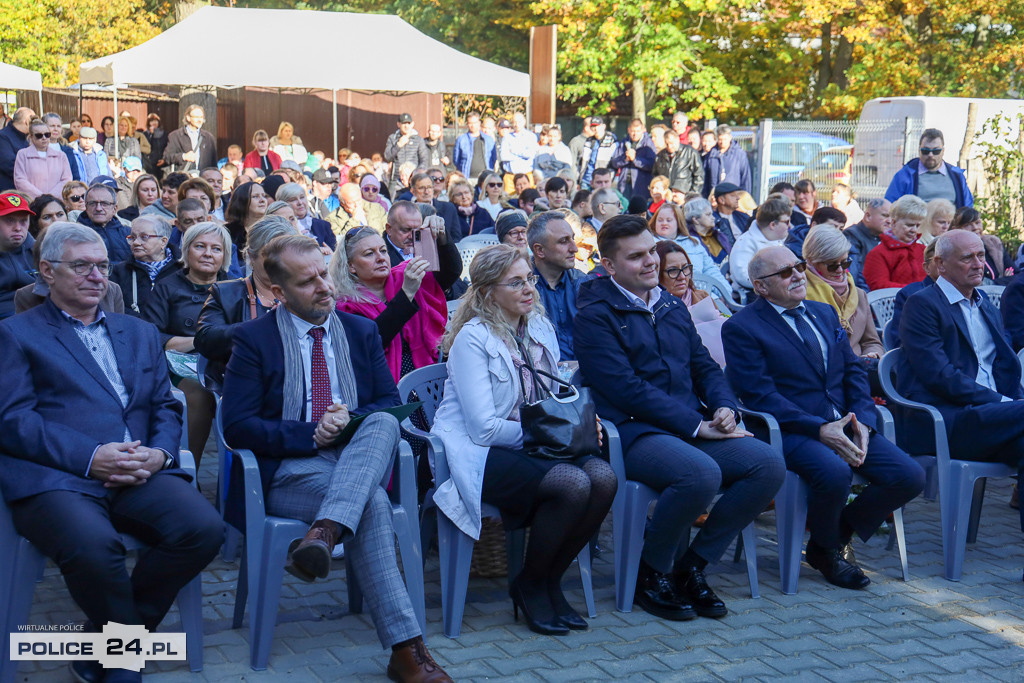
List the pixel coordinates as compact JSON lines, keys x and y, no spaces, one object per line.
{"x":295,"y":380}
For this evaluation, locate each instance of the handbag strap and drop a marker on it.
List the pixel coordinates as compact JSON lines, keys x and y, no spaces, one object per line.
{"x":252,"y":298}
{"x":537,"y":374}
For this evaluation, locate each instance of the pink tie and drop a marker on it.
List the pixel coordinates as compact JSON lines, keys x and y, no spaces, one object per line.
{"x":321,"y":378}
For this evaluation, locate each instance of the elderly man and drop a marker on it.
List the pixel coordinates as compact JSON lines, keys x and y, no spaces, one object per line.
{"x":309,"y":472}
{"x":791,"y":359}
{"x":553,"y":244}
{"x":726,"y":163}
{"x":867,"y":234}
{"x":681,"y":164}
{"x":191,"y":148}
{"x":355,"y":212}
{"x":597,"y":152}
{"x":422,"y":186}
{"x":769,"y":229}
{"x":89,"y":442}
{"x":681,"y":126}
{"x":474,"y":150}
{"x":16,"y":249}
{"x":929,"y":176}
{"x":728,"y":215}
{"x":402,"y":147}
{"x":605,"y":205}
{"x":99,"y":214}
{"x":13,"y":139}
{"x":634,"y":160}
{"x":403,"y":220}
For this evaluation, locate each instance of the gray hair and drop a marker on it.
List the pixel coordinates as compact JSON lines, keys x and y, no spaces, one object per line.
{"x":695,"y":208}
{"x":908,"y":206}
{"x":262,"y":231}
{"x":288,"y":192}
{"x":276,"y":206}
{"x":60,"y":234}
{"x":603,"y":195}
{"x":52,"y":115}
{"x":538,"y":227}
{"x":825,"y":244}
{"x":723,"y":130}
{"x":346,"y":285}
{"x":100,"y":186}
{"x":945,"y":244}
{"x":207,"y":228}
{"x":160,"y":225}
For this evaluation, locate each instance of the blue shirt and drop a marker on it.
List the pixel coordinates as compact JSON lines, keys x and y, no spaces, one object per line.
{"x":560,"y":307}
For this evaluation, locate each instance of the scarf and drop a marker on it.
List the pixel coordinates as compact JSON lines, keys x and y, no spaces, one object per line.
{"x":153,"y":269}
{"x":467,"y":210}
{"x":423,"y":330}
{"x":294,"y":394}
{"x":820,"y":289}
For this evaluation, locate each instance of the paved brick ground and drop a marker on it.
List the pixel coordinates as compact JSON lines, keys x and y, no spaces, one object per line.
{"x":924,"y":629}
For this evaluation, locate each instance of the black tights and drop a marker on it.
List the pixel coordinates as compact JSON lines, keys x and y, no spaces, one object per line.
{"x":571,"y":504}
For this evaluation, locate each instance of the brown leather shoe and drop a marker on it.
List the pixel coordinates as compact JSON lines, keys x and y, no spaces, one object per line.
{"x":311,"y":558}
{"x":413,"y":664}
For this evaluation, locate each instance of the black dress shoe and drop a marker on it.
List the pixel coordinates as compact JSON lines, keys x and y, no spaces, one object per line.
{"x":87,"y":671}
{"x":693,"y":584}
{"x":836,"y":570}
{"x":656,"y":594}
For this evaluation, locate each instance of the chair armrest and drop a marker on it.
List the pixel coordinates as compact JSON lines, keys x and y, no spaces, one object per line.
{"x":888,"y":429}
{"x":188,"y":463}
{"x":770,"y":424}
{"x":615,"y":455}
{"x":403,"y":481}
{"x":938,"y":423}
{"x":255,"y":511}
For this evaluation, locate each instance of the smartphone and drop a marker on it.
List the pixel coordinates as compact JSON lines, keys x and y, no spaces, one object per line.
{"x":425,"y":247}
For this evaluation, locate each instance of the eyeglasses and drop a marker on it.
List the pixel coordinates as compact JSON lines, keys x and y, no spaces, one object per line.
{"x":518,"y":284}
{"x":437,"y":178}
{"x":493,"y":184}
{"x":934,"y":151}
{"x":41,"y":136}
{"x":674,"y":273}
{"x":516,"y":232}
{"x":93,"y":205}
{"x":140,"y":238}
{"x":76,"y":197}
{"x":371,"y":189}
{"x":839,"y":265}
{"x":83,"y":268}
{"x":787,"y":272}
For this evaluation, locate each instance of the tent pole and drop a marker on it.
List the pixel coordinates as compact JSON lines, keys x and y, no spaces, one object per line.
{"x":334,"y":119}
{"x":117,"y":143}
{"x":456,"y":117}
{"x":41,"y":103}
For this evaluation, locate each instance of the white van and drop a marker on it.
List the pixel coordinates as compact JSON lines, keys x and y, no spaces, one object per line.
{"x":889,"y":127}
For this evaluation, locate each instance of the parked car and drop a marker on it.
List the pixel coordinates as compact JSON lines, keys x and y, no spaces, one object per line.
{"x":832,"y":166}
{"x":792,"y":151}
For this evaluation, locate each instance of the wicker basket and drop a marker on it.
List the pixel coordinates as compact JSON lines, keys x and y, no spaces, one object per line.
{"x":490,"y":554}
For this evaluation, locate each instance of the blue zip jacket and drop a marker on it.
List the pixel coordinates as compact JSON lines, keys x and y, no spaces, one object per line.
{"x":905,"y":182}
{"x":462,"y":156}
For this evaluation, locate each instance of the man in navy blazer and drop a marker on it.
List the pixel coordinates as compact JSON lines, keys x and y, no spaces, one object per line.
{"x":89,"y":434}
{"x":295,"y":380}
{"x":652,"y":377}
{"x":792,"y":359}
{"x":956,"y":357}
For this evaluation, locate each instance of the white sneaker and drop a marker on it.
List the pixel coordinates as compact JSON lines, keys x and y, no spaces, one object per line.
{"x":338,"y":552}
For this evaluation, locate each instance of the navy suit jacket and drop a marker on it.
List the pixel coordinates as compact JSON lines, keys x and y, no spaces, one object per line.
{"x":254,"y":389}
{"x":1011,"y":306}
{"x":768,"y":366}
{"x":938,"y":365}
{"x":893,"y":330}
{"x":57,"y":406}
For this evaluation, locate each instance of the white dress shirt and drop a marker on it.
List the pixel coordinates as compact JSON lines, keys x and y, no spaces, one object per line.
{"x":302,"y":329}
{"x":653,"y":298}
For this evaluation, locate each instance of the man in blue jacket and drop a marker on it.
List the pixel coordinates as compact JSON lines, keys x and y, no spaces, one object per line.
{"x":100,"y":205}
{"x":13,"y":139}
{"x":929,"y":176}
{"x":634,"y":158}
{"x":652,"y":377}
{"x":726,"y":163}
{"x":792,"y":359}
{"x":474,"y":150}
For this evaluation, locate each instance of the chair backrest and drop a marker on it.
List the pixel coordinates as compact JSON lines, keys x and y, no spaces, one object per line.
{"x":481,"y":240}
{"x":452,"y":307}
{"x":469,"y":246}
{"x":710,"y":286}
{"x":428,"y":384}
{"x":882,"y":302}
{"x":994,"y":293}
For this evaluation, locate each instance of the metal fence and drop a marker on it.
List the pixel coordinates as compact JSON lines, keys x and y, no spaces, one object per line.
{"x":864,"y":155}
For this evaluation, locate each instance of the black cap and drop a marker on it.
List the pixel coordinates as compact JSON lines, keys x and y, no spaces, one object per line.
{"x":322,"y":176}
{"x":726,"y":188}
{"x":405,"y":118}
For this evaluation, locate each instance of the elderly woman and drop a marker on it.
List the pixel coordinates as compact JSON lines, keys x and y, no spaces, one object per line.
{"x":827,"y":253}
{"x":233,"y":302}
{"x":152,"y":260}
{"x":288,"y":146}
{"x":262,"y":157}
{"x":492,"y":195}
{"x":46,"y":210}
{"x":406,"y":301}
{"x":937,"y":220}
{"x":174,"y":307}
{"x":73,"y":195}
{"x":495,"y":334}
{"x":674,"y":275}
{"x":473,"y":217}
{"x":998,"y":261}
{"x":248,"y":204}
{"x":669,"y":224}
{"x":369,"y":187}
{"x":145,"y":191}
{"x":700,"y":223}
{"x":510,"y":228}
{"x":898,"y":260}
{"x":40,"y":168}
{"x":306,"y":223}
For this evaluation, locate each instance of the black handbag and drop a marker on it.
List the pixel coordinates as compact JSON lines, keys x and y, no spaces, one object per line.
{"x":562,"y":426}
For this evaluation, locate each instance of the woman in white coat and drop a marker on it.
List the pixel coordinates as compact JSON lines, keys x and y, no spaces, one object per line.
{"x":478,"y":422}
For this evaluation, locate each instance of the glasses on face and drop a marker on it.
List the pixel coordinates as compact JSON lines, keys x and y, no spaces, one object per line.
{"x":934,"y":151}
{"x":493,"y":184}
{"x":674,"y":273}
{"x":140,"y":238}
{"x":76,"y":197}
{"x":94,"y":205}
{"x":517,"y":233}
{"x":371,"y":189}
{"x":83,"y":268}
{"x":41,"y":136}
{"x":437,"y":178}
{"x":518,"y":284}
{"x":788,"y":271}
{"x":839,"y":265}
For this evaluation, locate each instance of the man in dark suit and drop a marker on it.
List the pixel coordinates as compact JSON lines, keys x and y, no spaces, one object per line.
{"x":190,"y":148}
{"x":791,"y":358}
{"x":89,"y":434}
{"x":403,"y":220}
{"x":295,"y":380}
{"x":957,"y":359}
{"x":1011,"y":307}
{"x":892,"y":330}
{"x":652,"y":377}
{"x":13,"y":139}
{"x":422,"y":187}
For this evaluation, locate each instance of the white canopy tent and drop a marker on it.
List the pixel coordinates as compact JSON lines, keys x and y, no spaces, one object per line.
{"x":399,"y":67}
{"x":16,"y":78}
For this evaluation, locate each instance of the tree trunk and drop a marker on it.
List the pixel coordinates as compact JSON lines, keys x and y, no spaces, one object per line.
{"x":972,"y":124}
{"x":924,"y":40}
{"x":639,"y":101}
{"x":844,"y":59}
{"x":825,"y":63}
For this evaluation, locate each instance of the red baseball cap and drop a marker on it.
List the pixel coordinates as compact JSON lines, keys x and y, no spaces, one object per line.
{"x":13,"y":203}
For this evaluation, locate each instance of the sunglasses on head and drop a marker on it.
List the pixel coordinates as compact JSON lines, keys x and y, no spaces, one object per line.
{"x":787,"y":272}
{"x":934,"y":151}
{"x":839,"y":265}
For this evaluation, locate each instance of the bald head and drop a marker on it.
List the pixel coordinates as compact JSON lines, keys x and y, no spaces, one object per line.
{"x":960,"y":259}
{"x":21,"y":119}
{"x":776,"y":275}
{"x":769,"y":260}
{"x":350,"y":197}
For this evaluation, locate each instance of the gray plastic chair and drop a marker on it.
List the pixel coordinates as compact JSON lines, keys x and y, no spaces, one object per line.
{"x":455,"y":548}
{"x":469,"y":246}
{"x":961,"y":482}
{"x":994,"y":294}
{"x":882,"y":303}
{"x":715,"y":289}
{"x":267,"y":538}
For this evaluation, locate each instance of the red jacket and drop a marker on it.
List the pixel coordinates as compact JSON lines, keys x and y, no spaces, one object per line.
{"x":894,"y":264}
{"x":252,"y":160}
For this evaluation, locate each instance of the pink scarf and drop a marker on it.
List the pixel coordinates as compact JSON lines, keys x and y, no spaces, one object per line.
{"x":422,"y":332}
{"x":842,"y":288}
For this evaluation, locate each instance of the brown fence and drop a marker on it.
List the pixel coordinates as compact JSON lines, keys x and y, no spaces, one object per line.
{"x":100,"y":104}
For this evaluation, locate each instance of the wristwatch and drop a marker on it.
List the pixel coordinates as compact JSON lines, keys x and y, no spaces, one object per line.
{"x":168,"y":461}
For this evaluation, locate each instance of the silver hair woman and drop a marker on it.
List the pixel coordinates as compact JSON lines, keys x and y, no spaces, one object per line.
{"x":152,"y":259}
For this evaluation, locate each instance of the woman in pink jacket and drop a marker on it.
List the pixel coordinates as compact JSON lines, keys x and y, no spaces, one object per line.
{"x":40,"y":168}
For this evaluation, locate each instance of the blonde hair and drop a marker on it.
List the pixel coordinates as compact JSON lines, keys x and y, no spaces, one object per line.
{"x":908,"y":206}
{"x":346,"y":285}
{"x":936,"y":208}
{"x":488,"y":267}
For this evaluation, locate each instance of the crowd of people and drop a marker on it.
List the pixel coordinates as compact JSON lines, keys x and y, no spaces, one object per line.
{"x":298,"y":289}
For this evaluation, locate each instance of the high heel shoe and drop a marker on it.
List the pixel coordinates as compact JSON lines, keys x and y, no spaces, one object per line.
{"x":564,"y":611}
{"x":547,"y":626}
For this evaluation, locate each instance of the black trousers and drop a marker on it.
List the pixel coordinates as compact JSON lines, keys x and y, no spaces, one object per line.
{"x":81,"y":534}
